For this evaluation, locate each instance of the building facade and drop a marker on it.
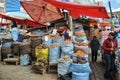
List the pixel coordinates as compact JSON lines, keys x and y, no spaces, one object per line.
{"x":2,"y":5}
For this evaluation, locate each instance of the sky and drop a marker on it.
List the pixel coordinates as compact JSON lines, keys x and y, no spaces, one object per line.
{"x":114,"y":3}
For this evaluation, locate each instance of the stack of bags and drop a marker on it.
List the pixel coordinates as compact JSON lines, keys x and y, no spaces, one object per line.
{"x":35,"y":41}
{"x":80,"y":67}
{"x":25,"y":50}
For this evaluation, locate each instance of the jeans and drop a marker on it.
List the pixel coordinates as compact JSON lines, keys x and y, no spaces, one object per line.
{"x":94,"y":55}
{"x":109,"y":64}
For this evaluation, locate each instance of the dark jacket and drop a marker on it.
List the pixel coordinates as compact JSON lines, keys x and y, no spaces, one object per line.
{"x":95,"y":45}
{"x":107,"y":45}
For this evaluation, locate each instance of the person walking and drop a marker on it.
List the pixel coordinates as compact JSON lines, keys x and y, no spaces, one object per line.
{"x":95,"y":46}
{"x":109,"y":46}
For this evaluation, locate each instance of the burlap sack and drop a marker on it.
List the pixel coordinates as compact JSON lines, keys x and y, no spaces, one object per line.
{"x":15,"y":47}
{"x":23,"y":36}
{"x":25,"y":48}
{"x":6,"y":50}
{"x":35,"y":41}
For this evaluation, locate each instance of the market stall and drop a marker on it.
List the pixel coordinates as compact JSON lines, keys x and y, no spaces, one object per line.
{"x":66,"y":56}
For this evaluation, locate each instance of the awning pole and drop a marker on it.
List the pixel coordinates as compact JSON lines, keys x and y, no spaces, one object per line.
{"x":70,"y":22}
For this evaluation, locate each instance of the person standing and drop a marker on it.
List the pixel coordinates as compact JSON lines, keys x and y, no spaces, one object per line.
{"x":15,"y":33}
{"x":95,"y":46}
{"x":66,"y":32}
{"x":109,"y":46}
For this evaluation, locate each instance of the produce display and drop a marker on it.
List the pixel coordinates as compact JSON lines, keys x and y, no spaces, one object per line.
{"x":81,"y":43}
{"x":67,"y":42}
{"x":65,"y":58}
{"x":54,"y":45}
{"x":42,"y":46}
{"x":79,"y":53}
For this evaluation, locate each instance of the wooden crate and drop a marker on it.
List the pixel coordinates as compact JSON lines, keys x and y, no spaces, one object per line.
{"x":52,"y":67}
{"x":16,"y":60}
{"x":40,"y":71}
{"x":38,"y":68}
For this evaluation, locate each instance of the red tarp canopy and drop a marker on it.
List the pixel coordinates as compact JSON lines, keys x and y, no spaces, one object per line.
{"x":21,"y":21}
{"x":104,"y":24}
{"x":77,"y":9}
{"x":4,"y":24}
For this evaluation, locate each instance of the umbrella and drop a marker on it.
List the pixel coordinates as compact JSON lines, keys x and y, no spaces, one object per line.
{"x":41,"y":11}
{"x":77,"y":9}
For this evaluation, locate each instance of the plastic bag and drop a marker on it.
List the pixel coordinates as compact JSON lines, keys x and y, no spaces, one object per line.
{"x":48,"y":42}
{"x":54,"y":54}
{"x":41,"y":53}
{"x":67,"y":49}
{"x":58,"y":40}
{"x":80,"y":76}
{"x":80,"y":68}
{"x":24,"y":59}
{"x":63,"y":67}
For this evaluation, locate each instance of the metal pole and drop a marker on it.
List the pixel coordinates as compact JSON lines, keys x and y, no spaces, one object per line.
{"x":110,"y":8}
{"x":111,"y":14}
